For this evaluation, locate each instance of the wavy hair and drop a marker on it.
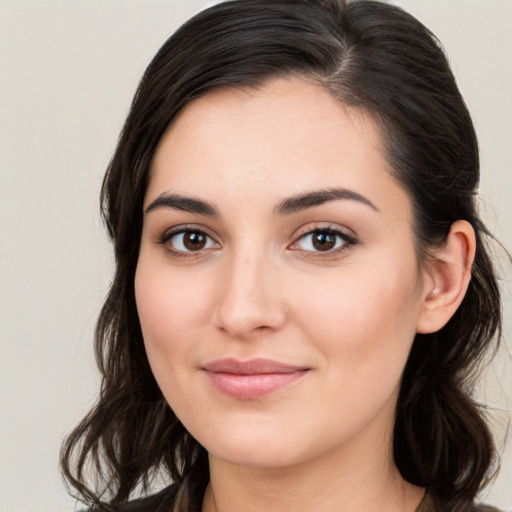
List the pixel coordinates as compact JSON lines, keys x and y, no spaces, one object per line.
{"x":369,"y":55}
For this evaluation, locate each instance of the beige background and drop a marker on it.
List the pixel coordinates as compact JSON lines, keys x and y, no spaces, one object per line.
{"x":68,"y":70}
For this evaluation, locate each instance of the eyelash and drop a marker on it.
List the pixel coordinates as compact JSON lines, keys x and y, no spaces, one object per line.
{"x":347,"y":240}
{"x":166,"y":238}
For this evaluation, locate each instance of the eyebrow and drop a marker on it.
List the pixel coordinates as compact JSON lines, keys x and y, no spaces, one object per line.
{"x":286,"y":207}
{"x":318,"y":197}
{"x":185,"y":204}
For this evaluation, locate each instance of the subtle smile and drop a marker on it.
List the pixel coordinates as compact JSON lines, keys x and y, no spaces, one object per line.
{"x":249,"y":380}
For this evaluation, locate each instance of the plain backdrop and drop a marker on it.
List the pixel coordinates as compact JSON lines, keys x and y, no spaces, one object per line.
{"x":68,"y":70}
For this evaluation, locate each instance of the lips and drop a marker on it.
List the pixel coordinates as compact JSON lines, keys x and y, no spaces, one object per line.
{"x":249,"y":380}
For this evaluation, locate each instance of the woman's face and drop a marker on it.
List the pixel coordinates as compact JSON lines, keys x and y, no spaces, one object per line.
{"x":277,"y":284}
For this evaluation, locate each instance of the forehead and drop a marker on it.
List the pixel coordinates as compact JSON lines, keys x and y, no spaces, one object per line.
{"x":279,"y":139}
{"x":278,"y":107}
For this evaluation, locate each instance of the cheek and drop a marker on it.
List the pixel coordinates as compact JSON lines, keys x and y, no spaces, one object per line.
{"x":167,"y":301}
{"x":365,"y":321}
{"x":171,"y":311}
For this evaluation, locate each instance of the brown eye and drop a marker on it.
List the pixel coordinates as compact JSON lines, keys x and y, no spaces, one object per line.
{"x":327,"y":240}
{"x":187,"y":241}
{"x":323,"y":241}
{"x":194,"y":241}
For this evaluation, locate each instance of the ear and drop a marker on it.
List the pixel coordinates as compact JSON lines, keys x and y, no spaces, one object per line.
{"x":447,"y":277}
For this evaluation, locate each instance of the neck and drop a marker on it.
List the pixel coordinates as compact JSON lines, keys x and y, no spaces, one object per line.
{"x":358,"y":478}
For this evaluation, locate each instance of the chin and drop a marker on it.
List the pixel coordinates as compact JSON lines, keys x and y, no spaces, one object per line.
{"x":253,"y":448}
{"x":260,"y":456}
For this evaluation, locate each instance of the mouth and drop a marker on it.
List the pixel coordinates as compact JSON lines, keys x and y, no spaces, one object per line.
{"x":253,"y":379}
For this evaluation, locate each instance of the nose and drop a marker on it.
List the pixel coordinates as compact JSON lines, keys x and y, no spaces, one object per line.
{"x":249,"y":301}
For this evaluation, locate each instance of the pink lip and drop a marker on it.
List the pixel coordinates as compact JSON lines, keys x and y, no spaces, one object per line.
{"x":248,"y":380}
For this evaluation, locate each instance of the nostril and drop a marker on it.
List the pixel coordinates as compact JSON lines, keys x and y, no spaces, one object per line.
{"x":245,"y":332}
{"x":264,"y":329}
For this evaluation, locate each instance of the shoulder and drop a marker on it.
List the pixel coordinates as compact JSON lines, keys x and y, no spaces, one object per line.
{"x":183,"y":496}
{"x":483,"y":508}
{"x":432,"y":504}
{"x":161,"y":501}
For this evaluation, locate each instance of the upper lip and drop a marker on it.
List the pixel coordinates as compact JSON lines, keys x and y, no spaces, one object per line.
{"x":251,"y":367}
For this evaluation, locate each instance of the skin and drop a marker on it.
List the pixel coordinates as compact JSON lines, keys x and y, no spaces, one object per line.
{"x":259,"y":288}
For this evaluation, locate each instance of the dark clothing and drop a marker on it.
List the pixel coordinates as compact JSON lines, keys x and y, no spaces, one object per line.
{"x":430,"y":504}
{"x":184,"y":498}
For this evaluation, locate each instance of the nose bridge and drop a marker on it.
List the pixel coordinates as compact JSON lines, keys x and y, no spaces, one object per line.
{"x":249,"y":301}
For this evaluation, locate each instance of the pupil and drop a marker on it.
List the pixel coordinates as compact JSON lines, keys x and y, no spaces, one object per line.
{"x":194,"y":241}
{"x":324,"y":241}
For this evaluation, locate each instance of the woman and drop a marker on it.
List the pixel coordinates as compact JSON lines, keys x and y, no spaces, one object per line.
{"x":302,"y":291}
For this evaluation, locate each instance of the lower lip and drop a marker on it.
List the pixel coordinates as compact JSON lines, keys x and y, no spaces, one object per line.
{"x":251,"y":387}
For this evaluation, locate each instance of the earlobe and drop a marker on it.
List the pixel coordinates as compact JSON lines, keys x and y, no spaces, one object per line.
{"x":447,"y":278}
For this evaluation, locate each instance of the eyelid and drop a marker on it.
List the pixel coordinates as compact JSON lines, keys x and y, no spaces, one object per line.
{"x":167,"y":235}
{"x":348,"y":239}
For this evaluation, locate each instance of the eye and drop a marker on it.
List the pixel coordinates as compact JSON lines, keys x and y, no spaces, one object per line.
{"x":188,"y":241}
{"x":323,"y":240}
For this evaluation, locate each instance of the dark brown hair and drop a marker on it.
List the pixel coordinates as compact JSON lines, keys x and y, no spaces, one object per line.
{"x":369,"y":55}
